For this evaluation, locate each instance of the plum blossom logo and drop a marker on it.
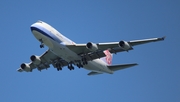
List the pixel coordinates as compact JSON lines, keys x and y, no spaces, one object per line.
{"x":108,"y":57}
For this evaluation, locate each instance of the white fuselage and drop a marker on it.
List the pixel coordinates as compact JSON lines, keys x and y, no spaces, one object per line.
{"x":57,"y":44}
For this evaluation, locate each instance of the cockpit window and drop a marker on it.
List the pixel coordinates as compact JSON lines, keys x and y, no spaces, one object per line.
{"x":39,"y":21}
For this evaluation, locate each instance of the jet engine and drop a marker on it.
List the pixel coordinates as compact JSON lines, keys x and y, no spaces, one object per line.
{"x":26,"y":67}
{"x":35,"y":59}
{"x":125,"y":45}
{"x":91,"y":46}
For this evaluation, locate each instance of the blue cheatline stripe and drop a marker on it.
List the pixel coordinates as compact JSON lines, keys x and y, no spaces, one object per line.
{"x":45,"y":32}
{"x":40,"y":31}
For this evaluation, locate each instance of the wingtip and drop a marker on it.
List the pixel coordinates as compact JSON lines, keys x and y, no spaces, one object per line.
{"x":162,"y":38}
{"x":20,"y":70}
{"x":136,"y":64}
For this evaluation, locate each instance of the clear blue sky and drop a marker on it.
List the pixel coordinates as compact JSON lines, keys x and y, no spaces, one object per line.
{"x":155,"y":79}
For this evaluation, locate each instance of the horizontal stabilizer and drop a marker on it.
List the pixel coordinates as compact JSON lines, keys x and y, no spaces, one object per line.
{"x":122,"y":66}
{"x":94,"y":73}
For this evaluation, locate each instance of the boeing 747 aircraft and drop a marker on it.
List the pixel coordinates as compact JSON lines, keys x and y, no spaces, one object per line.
{"x":96,"y":57}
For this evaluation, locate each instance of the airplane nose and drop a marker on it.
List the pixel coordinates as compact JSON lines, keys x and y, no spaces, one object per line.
{"x":36,"y":25}
{"x":33,"y":27}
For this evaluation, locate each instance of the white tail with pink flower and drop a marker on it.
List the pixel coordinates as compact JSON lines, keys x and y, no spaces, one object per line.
{"x":108,"y":58}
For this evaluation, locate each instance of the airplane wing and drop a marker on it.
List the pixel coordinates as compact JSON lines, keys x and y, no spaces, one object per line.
{"x":113,"y":47}
{"x":45,"y":60}
{"x":50,"y":58}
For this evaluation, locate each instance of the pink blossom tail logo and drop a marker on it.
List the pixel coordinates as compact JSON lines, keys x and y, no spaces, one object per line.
{"x":108,"y":57}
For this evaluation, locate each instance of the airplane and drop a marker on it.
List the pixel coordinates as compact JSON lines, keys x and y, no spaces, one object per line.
{"x":96,"y":57}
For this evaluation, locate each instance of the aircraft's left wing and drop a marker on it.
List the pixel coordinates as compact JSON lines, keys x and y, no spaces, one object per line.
{"x":42,"y":62}
{"x":113,"y":47}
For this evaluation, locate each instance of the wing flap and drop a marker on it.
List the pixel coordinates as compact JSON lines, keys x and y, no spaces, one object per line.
{"x":120,"y":67}
{"x":93,"y":55}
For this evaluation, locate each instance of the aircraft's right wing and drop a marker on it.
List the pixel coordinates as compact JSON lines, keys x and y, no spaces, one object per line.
{"x":42,"y":62}
{"x":45,"y":60}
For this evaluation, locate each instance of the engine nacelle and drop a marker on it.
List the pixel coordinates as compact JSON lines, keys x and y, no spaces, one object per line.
{"x":35,"y":59}
{"x":124,"y":45}
{"x":91,"y":46}
{"x":26,"y":67}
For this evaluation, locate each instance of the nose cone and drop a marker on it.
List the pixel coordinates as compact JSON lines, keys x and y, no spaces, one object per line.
{"x":33,"y":27}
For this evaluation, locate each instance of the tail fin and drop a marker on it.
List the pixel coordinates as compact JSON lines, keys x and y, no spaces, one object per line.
{"x":108,"y":58}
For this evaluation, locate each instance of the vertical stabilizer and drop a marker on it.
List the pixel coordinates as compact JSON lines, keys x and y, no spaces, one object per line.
{"x":108,"y":58}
